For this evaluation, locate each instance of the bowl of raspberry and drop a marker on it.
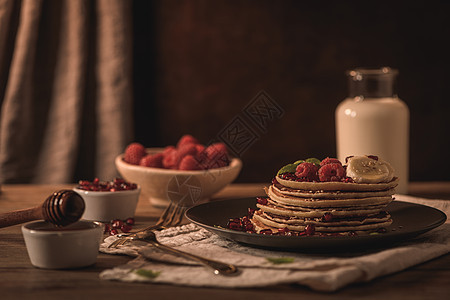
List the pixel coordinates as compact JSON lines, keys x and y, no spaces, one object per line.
{"x":187,"y":173}
{"x":108,"y":200}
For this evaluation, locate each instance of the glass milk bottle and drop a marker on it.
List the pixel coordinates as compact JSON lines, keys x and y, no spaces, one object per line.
{"x":374,"y":121}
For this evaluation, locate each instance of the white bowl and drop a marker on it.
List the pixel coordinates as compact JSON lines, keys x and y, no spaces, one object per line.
{"x":106,"y":206}
{"x":162,"y":186}
{"x":72,"y":246}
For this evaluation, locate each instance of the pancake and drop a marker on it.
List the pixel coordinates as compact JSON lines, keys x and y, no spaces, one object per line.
{"x":337,"y":186}
{"x":261,"y":223}
{"x":321,"y":203}
{"x":318,"y":213}
{"x":324,"y":200}
{"x":331,"y":194}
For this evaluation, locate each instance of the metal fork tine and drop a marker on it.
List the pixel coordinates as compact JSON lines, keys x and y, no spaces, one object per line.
{"x":169,"y":211}
{"x":169,"y":220}
{"x":172,"y":216}
{"x":179,"y":216}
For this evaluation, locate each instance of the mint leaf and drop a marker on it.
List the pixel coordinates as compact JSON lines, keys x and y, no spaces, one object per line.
{"x":147,"y":273}
{"x":280,"y":260}
{"x":290,"y":168}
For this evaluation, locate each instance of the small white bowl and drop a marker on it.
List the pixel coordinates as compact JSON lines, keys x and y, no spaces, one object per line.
{"x":72,"y":246}
{"x":106,"y":206}
{"x":162,"y":186}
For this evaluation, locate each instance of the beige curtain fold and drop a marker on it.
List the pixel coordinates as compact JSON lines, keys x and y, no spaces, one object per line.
{"x":66,"y":107}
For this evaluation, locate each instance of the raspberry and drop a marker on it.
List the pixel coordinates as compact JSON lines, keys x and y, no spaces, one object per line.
{"x":133,"y":153}
{"x":330,"y":160}
{"x":216,"y":156}
{"x":331,"y":172}
{"x":168,"y":149}
{"x":180,"y":153}
{"x":187,"y":149}
{"x":154,"y":161}
{"x":170,"y":159}
{"x":307,"y":171}
{"x":200,"y":148}
{"x":186,"y":139}
{"x":188,"y":163}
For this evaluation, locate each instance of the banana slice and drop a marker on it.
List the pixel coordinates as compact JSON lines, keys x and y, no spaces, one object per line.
{"x":363,"y":169}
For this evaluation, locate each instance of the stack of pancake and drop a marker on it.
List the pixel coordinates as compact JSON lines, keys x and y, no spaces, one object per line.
{"x":329,"y":208}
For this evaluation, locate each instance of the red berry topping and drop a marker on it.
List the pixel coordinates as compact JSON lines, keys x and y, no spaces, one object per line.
{"x":170,"y":160}
{"x":216,"y":156}
{"x":130,"y":221}
{"x":235,"y":224}
{"x":152,"y":160}
{"x":118,"y":184}
{"x":113,"y":231}
{"x":200,"y":148}
{"x":188,"y":163}
{"x":331,"y":172}
{"x":310,"y":229}
{"x":133,"y":153}
{"x":307,"y":171}
{"x":327,"y":217}
{"x":250,"y":212}
{"x":125,"y":228}
{"x":330,"y":160}
{"x":262,"y":201}
{"x":116,"y":223}
{"x":186,"y":139}
{"x":168,"y":149}
{"x":266,"y":231}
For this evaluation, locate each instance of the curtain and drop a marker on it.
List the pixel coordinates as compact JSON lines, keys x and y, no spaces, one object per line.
{"x":65,"y":89}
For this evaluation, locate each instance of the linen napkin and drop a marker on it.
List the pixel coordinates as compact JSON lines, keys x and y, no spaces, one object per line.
{"x":259,"y":267}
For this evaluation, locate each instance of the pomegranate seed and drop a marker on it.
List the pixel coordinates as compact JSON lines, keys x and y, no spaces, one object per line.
{"x":274,"y":181}
{"x":117,"y":223}
{"x":248,"y":227}
{"x":96,"y":185}
{"x":113,"y":231}
{"x":266,"y":231}
{"x":283,"y":230}
{"x":348,"y":180}
{"x":262,"y":201}
{"x":310,"y":229}
{"x":125,"y":228}
{"x":374,"y":157}
{"x":327,"y":217}
{"x":250,"y":212}
{"x":83,"y":182}
{"x":107,"y":228}
{"x":130,"y":221}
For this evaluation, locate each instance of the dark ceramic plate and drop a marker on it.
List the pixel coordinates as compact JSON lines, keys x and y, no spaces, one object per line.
{"x":409,"y":220}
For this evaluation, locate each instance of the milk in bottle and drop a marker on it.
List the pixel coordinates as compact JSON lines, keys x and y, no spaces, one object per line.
{"x":374,"y":121}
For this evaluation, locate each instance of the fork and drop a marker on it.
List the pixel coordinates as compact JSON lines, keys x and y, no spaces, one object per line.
{"x":219,"y":268}
{"x":172,"y":216}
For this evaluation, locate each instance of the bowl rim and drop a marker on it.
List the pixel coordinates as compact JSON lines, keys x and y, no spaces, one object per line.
{"x":235,"y":163}
{"x":104,"y":193}
{"x":95,"y":226}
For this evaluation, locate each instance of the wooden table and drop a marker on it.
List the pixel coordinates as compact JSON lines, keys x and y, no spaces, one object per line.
{"x":20,"y":280}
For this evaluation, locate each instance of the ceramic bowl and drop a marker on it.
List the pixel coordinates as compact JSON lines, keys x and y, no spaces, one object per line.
{"x":106,"y":206}
{"x":72,"y":246}
{"x":162,"y":186}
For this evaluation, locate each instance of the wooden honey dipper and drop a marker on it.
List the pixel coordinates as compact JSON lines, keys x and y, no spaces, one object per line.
{"x":60,"y":208}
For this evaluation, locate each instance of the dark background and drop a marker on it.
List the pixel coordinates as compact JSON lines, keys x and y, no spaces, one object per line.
{"x":197,"y":64}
